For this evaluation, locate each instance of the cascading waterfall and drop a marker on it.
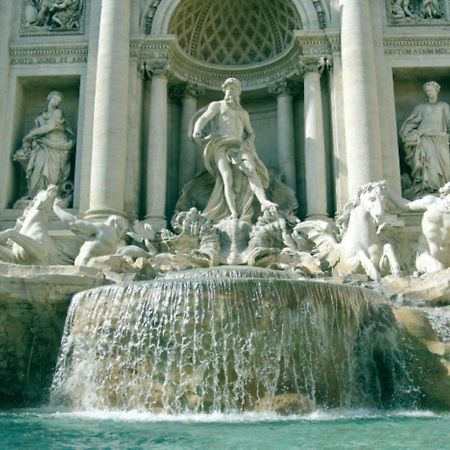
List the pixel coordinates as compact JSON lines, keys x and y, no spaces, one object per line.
{"x":228,"y":339}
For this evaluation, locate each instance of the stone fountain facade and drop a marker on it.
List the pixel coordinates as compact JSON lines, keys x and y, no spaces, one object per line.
{"x":333,"y":92}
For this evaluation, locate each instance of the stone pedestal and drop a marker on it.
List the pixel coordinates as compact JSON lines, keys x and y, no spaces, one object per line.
{"x":110,"y":130}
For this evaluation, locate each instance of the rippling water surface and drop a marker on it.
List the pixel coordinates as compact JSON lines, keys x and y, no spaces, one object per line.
{"x":336,"y":429}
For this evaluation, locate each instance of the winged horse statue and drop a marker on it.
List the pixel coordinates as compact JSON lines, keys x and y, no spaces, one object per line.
{"x":353,"y":245}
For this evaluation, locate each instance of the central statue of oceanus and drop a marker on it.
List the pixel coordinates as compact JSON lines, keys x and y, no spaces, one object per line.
{"x":230,"y":156}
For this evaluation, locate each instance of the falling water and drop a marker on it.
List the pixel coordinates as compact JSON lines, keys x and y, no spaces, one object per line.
{"x":225,"y":339}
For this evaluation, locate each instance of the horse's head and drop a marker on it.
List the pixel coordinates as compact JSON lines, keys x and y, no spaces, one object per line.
{"x":371,"y":198}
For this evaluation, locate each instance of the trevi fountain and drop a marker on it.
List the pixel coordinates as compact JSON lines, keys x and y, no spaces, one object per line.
{"x":224,"y":224}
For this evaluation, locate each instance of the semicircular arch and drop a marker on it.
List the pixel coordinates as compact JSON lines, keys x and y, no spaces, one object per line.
{"x":163,"y":11}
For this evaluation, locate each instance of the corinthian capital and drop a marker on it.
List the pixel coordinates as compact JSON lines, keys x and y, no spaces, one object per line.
{"x":284,"y":87}
{"x":315,"y":64}
{"x":180,"y":91}
{"x":155,"y":68}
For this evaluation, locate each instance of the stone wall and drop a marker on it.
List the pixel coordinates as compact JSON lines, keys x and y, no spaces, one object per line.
{"x":33,"y":307}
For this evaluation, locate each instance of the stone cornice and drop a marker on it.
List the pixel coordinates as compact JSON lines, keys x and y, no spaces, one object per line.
{"x":318,"y":43}
{"x":416,"y":45}
{"x":48,"y":54}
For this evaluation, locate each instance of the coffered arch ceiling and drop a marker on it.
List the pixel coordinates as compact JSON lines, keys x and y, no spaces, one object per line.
{"x":234,"y":32}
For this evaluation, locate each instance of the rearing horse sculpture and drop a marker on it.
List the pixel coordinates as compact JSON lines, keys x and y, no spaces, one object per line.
{"x":31,"y":243}
{"x":353,"y":245}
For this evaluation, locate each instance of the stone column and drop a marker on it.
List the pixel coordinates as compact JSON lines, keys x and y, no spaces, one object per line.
{"x":284,"y":92}
{"x":188,"y":94}
{"x":362,"y":129}
{"x":110,"y":128}
{"x":6,"y":22}
{"x":315,"y":156}
{"x":157,"y":146}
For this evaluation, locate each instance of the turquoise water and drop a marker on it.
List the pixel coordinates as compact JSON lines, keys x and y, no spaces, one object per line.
{"x":41,"y":429}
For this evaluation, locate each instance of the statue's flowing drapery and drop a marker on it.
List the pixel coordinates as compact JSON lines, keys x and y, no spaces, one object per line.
{"x":237,"y":152}
{"x":425,"y":134}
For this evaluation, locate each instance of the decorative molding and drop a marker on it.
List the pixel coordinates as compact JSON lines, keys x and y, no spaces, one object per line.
{"x":412,"y":45}
{"x":148,"y":16}
{"x":321,"y":13}
{"x":48,"y":54}
{"x":76,"y":25}
{"x":165,"y":49}
{"x":317,"y":43}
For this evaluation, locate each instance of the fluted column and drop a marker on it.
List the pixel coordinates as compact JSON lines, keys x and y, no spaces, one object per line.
{"x":157,"y":147}
{"x":284,"y":92}
{"x":362,"y":129}
{"x":110,"y":126}
{"x":188,"y":94}
{"x":6,"y":171}
{"x":315,"y":157}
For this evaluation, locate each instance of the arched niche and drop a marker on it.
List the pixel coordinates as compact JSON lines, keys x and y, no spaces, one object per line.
{"x":314,"y":14}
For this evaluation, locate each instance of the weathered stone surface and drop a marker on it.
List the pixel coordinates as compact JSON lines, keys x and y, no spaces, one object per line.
{"x":33,"y":306}
{"x":429,"y":363}
{"x":286,"y":404}
{"x":433,"y":288}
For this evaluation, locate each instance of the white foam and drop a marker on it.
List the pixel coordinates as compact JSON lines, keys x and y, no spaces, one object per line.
{"x":249,"y":417}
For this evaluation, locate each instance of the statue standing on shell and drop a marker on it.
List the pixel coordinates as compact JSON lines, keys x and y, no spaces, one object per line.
{"x":426,"y":139}
{"x":230,"y":156}
{"x":46,"y":150}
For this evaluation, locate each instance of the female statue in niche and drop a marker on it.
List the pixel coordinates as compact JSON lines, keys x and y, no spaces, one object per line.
{"x":426,"y":143}
{"x":46,"y":150}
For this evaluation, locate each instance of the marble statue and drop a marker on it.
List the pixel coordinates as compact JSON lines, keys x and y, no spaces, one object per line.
{"x":46,"y":150}
{"x":401,"y":9}
{"x":431,"y":9}
{"x":353,"y":245}
{"x":55,"y":14}
{"x":95,"y":239}
{"x":193,"y":244}
{"x":230,"y":156}
{"x":31,"y":243}
{"x":426,"y":143}
{"x":434,"y":243}
{"x":276,"y":243}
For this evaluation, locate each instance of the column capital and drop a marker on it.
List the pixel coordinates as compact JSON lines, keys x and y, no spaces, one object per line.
{"x":180,"y":91}
{"x":284,"y":87}
{"x":150,"y":69}
{"x":312,"y":64}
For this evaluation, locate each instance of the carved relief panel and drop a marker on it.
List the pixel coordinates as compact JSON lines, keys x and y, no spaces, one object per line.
{"x":417,"y":12}
{"x":52,"y":17}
